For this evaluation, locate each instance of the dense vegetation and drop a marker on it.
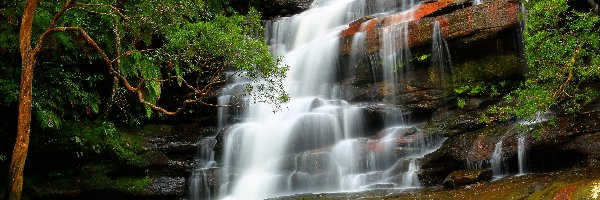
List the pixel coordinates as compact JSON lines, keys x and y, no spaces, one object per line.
{"x":177,"y":52}
{"x":562,"y":46}
{"x":562,"y":41}
{"x":127,"y":62}
{"x":192,"y":39}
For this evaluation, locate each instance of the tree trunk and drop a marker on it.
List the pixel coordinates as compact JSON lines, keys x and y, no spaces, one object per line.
{"x":19,"y":154}
{"x":28,"y":59}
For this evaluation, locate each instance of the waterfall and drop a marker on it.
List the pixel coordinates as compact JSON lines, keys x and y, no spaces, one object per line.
{"x":222,"y":111}
{"x":497,"y":160}
{"x":394,"y":52}
{"x":521,"y":149}
{"x":440,"y":54}
{"x":199,"y":185}
{"x":319,"y":142}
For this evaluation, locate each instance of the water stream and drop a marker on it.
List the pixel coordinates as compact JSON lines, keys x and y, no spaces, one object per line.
{"x":440,"y":54}
{"x":199,"y":181}
{"x":497,"y":161}
{"x":319,"y":144}
{"x":521,"y":150}
{"x":322,"y":142}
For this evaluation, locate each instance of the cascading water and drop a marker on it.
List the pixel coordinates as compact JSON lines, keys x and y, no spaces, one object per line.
{"x":440,"y":53}
{"x":521,"y":149}
{"x":199,"y":186}
{"x":497,"y":160}
{"x":222,"y":111}
{"x":318,"y":144}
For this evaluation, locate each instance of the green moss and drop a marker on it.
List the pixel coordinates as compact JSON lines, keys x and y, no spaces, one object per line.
{"x":550,"y":191}
{"x":130,"y":185}
{"x":485,"y":77}
{"x":102,"y":139}
{"x":91,"y":178}
{"x":586,"y":191}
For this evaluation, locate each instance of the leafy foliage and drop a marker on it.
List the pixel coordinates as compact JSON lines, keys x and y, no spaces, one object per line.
{"x":153,"y":40}
{"x":201,"y":49}
{"x":78,"y":97}
{"x":100,"y":180}
{"x":562,"y":46}
{"x":485,"y":77}
{"x":101,"y":138}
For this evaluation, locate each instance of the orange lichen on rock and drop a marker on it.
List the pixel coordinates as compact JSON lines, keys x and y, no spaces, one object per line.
{"x":417,"y":13}
{"x":470,"y":23}
{"x":355,"y":26}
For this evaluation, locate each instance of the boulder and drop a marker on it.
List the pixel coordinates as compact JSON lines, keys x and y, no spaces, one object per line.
{"x":467,"y":177}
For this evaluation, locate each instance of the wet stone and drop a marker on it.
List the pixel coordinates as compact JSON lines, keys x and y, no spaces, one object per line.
{"x":166,"y":186}
{"x":379,"y":186}
{"x":466,"y":177}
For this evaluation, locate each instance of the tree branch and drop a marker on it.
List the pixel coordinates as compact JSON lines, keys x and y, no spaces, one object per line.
{"x":111,"y":64}
{"x":113,"y":8}
{"x":565,"y":84}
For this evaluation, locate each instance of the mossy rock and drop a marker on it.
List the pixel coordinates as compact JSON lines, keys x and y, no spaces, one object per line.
{"x":466,"y":177}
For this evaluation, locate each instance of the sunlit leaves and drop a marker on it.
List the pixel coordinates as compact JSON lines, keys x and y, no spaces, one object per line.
{"x":561,"y":50}
{"x":151,"y":42}
{"x":234,"y":42}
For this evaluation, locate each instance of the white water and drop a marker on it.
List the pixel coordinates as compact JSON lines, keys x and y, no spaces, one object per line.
{"x":497,"y":160}
{"x":440,"y":54}
{"x":522,"y":158}
{"x":199,"y":180}
{"x":316,"y":144}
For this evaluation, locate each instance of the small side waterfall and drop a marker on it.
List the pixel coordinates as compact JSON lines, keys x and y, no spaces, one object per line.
{"x":440,"y":54}
{"x":521,"y":154}
{"x":395,"y":52}
{"x":200,"y":185}
{"x":223,"y":111}
{"x":497,"y":161}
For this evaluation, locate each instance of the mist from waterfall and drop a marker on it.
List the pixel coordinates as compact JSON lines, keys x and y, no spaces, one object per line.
{"x":318,"y":143}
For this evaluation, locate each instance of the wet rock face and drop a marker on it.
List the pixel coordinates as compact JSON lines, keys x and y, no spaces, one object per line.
{"x":468,"y":24}
{"x":586,"y":144}
{"x":570,"y":142}
{"x":466,"y":177}
{"x":205,"y":183}
{"x":275,"y":8}
{"x":177,"y":148}
{"x":166,"y":187}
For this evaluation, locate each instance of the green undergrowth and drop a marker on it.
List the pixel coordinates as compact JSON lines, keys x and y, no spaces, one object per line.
{"x":101,"y":181}
{"x":88,"y":179}
{"x":101,"y":139}
{"x":91,"y":156}
{"x":490,"y":76}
